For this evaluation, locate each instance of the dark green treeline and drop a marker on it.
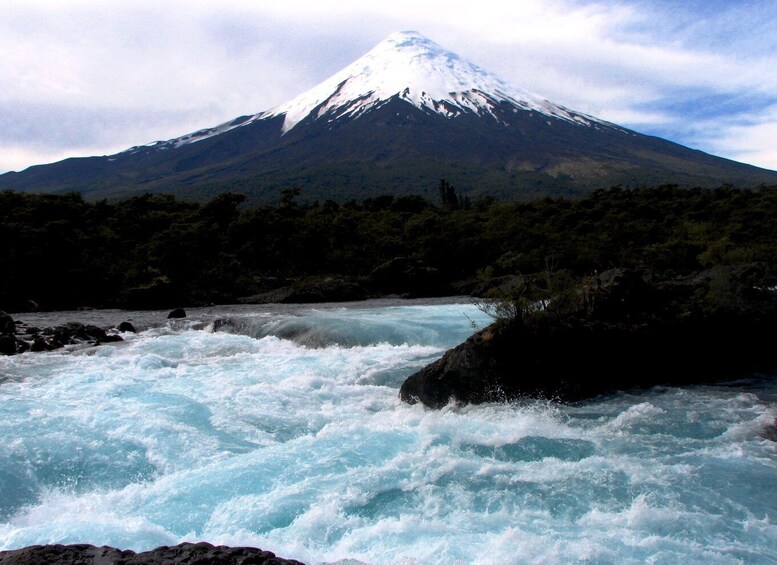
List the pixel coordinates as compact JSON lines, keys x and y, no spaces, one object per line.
{"x":64,"y":252}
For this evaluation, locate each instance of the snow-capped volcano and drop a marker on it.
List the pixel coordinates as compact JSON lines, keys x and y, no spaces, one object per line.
{"x":415,"y":69}
{"x":395,"y":121}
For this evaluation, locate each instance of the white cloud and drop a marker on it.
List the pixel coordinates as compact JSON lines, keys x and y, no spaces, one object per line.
{"x":192,"y":64}
{"x":751,"y":143}
{"x":17,"y":156}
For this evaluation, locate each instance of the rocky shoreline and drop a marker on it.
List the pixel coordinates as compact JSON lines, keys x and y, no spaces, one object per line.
{"x":624,"y":331}
{"x":190,"y":553}
{"x":19,"y":337}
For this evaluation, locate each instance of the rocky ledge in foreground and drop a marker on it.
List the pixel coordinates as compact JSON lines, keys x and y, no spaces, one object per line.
{"x":189,"y":553}
{"x":614,"y":332}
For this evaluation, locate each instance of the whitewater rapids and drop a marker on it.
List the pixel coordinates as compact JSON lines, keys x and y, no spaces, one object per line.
{"x":284,"y":430}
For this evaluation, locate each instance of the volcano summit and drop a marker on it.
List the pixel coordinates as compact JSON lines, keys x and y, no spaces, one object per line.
{"x":395,"y":121}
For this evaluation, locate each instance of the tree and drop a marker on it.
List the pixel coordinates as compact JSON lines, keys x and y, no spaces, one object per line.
{"x":288,"y":197}
{"x":448,"y":196}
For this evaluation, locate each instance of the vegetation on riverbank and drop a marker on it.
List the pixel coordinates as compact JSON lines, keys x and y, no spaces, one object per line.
{"x":155,"y":251}
{"x":617,"y":330}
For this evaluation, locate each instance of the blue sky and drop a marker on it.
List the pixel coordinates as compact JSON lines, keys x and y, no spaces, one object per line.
{"x":94,"y":77}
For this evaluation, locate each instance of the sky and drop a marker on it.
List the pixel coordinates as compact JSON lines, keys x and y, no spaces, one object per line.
{"x":95,"y":77}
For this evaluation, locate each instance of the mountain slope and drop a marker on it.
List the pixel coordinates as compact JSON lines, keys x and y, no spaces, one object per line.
{"x":396,"y":121}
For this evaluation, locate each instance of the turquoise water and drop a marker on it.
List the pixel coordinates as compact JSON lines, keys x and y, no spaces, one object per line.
{"x":284,"y":431}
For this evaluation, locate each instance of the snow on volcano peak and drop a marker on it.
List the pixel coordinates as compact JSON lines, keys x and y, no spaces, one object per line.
{"x":417,"y":70}
{"x":411,"y":67}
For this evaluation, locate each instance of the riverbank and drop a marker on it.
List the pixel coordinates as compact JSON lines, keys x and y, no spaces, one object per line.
{"x":617,"y":331}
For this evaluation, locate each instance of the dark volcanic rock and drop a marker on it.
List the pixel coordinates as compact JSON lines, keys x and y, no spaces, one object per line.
{"x":7,"y":324}
{"x":177,"y":313}
{"x":189,"y":553}
{"x":95,"y":333}
{"x":41,"y":344}
{"x":72,"y":333}
{"x":111,"y":338}
{"x":75,"y":328}
{"x":8,"y":345}
{"x":126,"y":327}
{"x":630,"y":334}
{"x":29,"y":338}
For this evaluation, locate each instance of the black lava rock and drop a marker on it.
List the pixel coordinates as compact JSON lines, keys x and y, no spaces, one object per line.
{"x":95,"y":333}
{"x":40,"y":343}
{"x":28,"y":338}
{"x":111,"y":338}
{"x":191,"y":553}
{"x":628,"y":334}
{"x":8,"y":345}
{"x":7,"y":324}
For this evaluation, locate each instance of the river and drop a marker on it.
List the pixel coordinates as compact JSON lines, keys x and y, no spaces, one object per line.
{"x":284,"y":430}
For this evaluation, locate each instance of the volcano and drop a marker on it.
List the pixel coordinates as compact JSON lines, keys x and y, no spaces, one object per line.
{"x":395,"y":121}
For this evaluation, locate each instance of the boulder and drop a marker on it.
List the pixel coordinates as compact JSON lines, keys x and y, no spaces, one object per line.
{"x":40,"y":343}
{"x":64,"y":334}
{"x":176,"y":314}
{"x":95,"y":333}
{"x":8,"y":344}
{"x":127,"y":327}
{"x":572,"y":362}
{"x":74,"y":327}
{"x":111,"y":338}
{"x":7,"y":324}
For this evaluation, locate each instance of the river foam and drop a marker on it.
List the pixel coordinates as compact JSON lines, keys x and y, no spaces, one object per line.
{"x":284,"y":430}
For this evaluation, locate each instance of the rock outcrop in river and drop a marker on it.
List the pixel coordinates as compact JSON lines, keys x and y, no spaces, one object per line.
{"x":191,"y":553}
{"x":19,"y":337}
{"x":615,"y":332}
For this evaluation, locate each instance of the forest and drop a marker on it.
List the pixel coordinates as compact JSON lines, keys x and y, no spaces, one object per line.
{"x":156,"y":251}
